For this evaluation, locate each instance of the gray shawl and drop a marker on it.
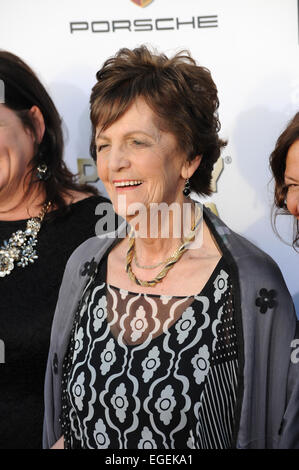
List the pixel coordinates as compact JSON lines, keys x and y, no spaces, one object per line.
{"x":267,"y":410}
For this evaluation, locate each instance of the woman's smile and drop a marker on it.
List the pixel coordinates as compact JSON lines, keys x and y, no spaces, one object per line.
{"x":126,"y":185}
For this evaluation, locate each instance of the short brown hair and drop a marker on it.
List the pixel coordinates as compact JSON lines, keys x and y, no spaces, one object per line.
{"x":181,"y":94}
{"x":278,"y":165}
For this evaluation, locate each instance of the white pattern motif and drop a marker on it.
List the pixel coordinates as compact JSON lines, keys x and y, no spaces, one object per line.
{"x":108,"y":357}
{"x":201,"y":364}
{"x":220,"y":285}
{"x":191,"y":440}
{"x":165,"y":299}
{"x":166,"y":404}
{"x":120,"y":402}
{"x":147,"y":441}
{"x":78,"y":342}
{"x":214,"y":327}
{"x":123,"y":293}
{"x":163,"y":391}
{"x":100,"y":435}
{"x":150,"y":364}
{"x":138,"y":324}
{"x":79,"y":391}
{"x":185,"y":324}
{"x":100,"y":313}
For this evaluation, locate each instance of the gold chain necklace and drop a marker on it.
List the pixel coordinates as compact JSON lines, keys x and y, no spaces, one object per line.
{"x":153,"y":266}
{"x":170,"y":262}
{"x":20,"y":248}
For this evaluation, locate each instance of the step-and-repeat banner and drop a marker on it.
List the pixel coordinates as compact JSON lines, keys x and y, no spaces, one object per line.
{"x":251,"y":48}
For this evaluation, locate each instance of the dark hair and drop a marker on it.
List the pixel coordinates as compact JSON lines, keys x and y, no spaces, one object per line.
{"x":22,"y":91}
{"x":278,"y":165}
{"x":182,"y":95}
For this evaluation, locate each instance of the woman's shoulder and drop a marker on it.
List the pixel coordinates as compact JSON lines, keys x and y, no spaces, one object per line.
{"x":76,"y":223}
{"x":81,"y":208}
{"x":229,"y":240}
{"x":242,"y":251}
{"x":85,"y":258}
{"x":259,"y":277}
{"x":75,"y":197}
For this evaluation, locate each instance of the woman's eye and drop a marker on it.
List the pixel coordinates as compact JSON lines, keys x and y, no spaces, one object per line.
{"x":101,"y":147}
{"x":137,"y":143}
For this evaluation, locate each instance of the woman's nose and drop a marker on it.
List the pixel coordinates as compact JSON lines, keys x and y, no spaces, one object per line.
{"x":118,"y":159}
{"x":293,"y":203}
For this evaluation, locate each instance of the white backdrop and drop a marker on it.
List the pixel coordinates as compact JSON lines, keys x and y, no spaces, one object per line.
{"x":250,"y":46}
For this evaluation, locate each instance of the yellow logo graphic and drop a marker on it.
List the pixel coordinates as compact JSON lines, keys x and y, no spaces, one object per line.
{"x":142,"y":3}
{"x":2,"y":92}
{"x":217,"y":170}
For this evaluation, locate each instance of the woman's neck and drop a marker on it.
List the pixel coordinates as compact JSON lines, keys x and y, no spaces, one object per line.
{"x":154,"y":250}
{"x":23,"y":206}
{"x":169,"y":232}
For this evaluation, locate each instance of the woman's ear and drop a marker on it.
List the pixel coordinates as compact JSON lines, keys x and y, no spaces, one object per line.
{"x":190,"y":167}
{"x":39,"y":123}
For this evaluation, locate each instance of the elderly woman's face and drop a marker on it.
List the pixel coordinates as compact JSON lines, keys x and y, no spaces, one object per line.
{"x":291,"y":178}
{"x":16,"y":151}
{"x":137,"y":160}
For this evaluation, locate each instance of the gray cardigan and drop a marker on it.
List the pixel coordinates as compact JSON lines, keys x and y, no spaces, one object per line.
{"x":267,"y":410}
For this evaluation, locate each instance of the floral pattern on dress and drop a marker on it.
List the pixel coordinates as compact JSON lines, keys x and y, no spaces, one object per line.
{"x":79,"y":342}
{"x":100,"y":313}
{"x":165,"y":299}
{"x":120,"y":402}
{"x":185,"y":325}
{"x":139,"y":324}
{"x":123,"y":293}
{"x":154,"y":393}
{"x":100,"y":435}
{"x":79,"y":391}
{"x":165,"y":404}
{"x":220,"y":285}
{"x":201,"y":364}
{"x":147,"y":441}
{"x":150,"y":364}
{"x":108,"y":357}
{"x":191,"y":440}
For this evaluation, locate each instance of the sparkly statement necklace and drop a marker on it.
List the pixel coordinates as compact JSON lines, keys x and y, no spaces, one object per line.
{"x":169,"y":263}
{"x":20,"y":248}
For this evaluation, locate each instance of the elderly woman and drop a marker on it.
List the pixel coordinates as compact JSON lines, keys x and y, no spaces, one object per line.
{"x":165,"y":342}
{"x":44,"y":215}
{"x":284,"y":162}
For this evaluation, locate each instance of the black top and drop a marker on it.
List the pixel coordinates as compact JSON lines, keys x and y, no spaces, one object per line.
{"x":27,"y":303}
{"x":148,"y":371}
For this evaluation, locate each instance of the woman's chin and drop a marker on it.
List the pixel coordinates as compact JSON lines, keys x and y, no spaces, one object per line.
{"x":128,"y":208}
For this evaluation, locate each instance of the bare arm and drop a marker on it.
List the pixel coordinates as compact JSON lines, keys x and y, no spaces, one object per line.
{"x":59,"y":444}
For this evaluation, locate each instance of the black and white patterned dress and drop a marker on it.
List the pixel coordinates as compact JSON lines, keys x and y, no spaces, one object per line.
{"x":133,"y":381}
